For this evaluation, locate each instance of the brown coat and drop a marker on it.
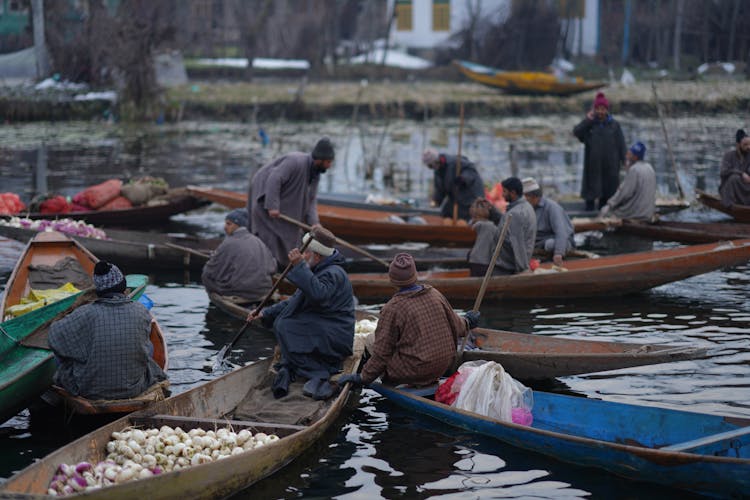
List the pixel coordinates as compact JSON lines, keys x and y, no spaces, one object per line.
{"x":415,"y":341}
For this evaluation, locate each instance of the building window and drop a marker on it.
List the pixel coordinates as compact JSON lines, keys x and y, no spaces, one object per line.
{"x":441,"y":15}
{"x":403,"y":15}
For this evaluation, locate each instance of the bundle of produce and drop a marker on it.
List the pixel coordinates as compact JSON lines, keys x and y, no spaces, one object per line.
{"x":141,"y":453}
{"x":67,"y":226}
{"x":143,"y":189}
{"x":10,"y":204}
{"x":495,"y":196}
{"x":365,"y":326}
{"x":95,"y":197}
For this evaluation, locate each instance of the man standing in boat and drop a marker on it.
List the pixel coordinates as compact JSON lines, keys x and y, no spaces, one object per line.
{"x":636,"y":196}
{"x":415,"y":340}
{"x":315,"y":326}
{"x":103,"y":348}
{"x":518,"y":246}
{"x":604,"y":153}
{"x":450,"y":188}
{"x":735,"y":172}
{"x":554,"y":229}
{"x":288,"y":185}
{"x":241,"y":268}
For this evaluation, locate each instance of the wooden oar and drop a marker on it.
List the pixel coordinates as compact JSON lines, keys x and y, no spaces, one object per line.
{"x":341,"y":242}
{"x":666,"y":138}
{"x":187,"y":250}
{"x":485,"y":282}
{"x":223,"y":351}
{"x":458,"y":165}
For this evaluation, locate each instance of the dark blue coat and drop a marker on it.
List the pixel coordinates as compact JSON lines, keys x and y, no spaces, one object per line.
{"x":315,"y":326}
{"x":447,"y":190}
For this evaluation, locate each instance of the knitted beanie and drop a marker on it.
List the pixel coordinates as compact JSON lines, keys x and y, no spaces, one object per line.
{"x":600,"y":100}
{"x":108,"y":278}
{"x":238,"y":216}
{"x":638,"y":149}
{"x":741,"y":134}
{"x":402,"y":271}
{"x":323,"y":150}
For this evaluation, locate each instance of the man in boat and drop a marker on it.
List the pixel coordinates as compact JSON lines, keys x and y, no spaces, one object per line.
{"x":288,"y":185}
{"x":518,"y":246}
{"x":735,"y":172}
{"x":450,"y":188}
{"x":554,"y":229}
{"x":315,"y":326}
{"x":604,"y":153}
{"x":636,"y":196}
{"x":103,"y":348}
{"x":241,"y":268}
{"x":415,"y":340}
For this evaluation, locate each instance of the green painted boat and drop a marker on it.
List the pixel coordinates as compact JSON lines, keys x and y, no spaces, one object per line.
{"x":26,"y":363}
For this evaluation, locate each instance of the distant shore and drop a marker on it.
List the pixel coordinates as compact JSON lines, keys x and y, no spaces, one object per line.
{"x":289,"y":99}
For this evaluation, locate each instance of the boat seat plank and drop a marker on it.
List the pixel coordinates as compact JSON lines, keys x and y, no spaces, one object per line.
{"x":714,"y":438}
{"x":194,"y":422}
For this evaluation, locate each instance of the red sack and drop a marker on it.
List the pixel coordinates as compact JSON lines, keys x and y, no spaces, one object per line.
{"x":12,"y":203}
{"x":101,"y":194}
{"x":118,"y":203}
{"x":79,"y":200}
{"x":75,"y":207}
{"x":444,"y":394}
{"x":4,"y":208}
{"x":55,"y":205}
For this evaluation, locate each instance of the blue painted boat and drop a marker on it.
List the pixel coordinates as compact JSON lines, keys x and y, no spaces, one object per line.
{"x":708,"y":454}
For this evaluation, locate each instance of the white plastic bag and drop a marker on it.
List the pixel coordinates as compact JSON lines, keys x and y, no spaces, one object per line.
{"x":489,"y":390}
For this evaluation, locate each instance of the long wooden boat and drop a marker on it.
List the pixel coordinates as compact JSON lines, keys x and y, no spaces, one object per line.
{"x":84,"y":406}
{"x":537,"y":357}
{"x":686,"y":232}
{"x":740,"y":213}
{"x":525,"y":82}
{"x":138,"y":249}
{"x":209,"y":406}
{"x":703,"y":453}
{"x":27,"y":364}
{"x":606,"y":276}
{"x":176,"y":201}
{"x":375,"y":225}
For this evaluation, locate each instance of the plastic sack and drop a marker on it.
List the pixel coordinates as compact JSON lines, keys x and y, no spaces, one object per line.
{"x":97,"y":196}
{"x":118,"y":203}
{"x":40,"y":298}
{"x":484,"y":387}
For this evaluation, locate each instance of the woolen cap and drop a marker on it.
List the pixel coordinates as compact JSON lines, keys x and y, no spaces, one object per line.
{"x":108,"y":278}
{"x":323,"y":150}
{"x":530,"y":184}
{"x":600,"y":100}
{"x":402,"y":271}
{"x":238,"y":216}
{"x":739,"y":135}
{"x":638,"y":149}
{"x":323,"y":242}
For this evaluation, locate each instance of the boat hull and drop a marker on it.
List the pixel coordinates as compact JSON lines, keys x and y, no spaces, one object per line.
{"x":620,"y":438}
{"x":740,"y":213}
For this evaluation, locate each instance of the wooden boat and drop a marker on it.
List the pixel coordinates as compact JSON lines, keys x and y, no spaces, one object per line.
{"x":83,"y":406}
{"x":525,"y":82}
{"x":176,"y":201}
{"x":138,"y":249}
{"x":209,"y":406}
{"x":703,"y":453}
{"x":606,"y":276}
{"x":686,"y":232}
{"x":537,"y":357}
{"x":368,"y":225}
{"x":740,"y":213}
{"x":27,"y":364}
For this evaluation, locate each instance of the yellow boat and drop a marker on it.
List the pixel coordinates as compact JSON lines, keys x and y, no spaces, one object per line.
{"x":526,"y":82}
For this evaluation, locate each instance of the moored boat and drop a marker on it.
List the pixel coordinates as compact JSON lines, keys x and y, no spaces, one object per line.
{"x":176,"y":201}
{"x":240,"y":399}
{"x":27,"y":363}
{"x":606,"y":276}
{"x":699,"y":452}
{"x":525,"y":82}
{"x":740,"y":213}
{"x":686,"y":232}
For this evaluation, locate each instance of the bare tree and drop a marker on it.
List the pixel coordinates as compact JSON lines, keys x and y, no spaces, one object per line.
{"x":252,"y":17}
{"x":677,"y":44}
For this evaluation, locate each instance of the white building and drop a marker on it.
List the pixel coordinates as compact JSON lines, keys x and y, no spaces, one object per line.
{"x":424,"y":24}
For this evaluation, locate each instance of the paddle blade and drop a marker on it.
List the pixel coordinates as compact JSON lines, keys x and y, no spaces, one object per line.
{"x":220,"y":358}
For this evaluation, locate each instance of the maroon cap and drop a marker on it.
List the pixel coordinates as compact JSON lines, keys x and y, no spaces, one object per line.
{"x":600,"y":100}
{"x":402,"y":271}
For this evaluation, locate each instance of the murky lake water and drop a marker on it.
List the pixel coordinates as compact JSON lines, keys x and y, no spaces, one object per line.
{"x":376,"y":449}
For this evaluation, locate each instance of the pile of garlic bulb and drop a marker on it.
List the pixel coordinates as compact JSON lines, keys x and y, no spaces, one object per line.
{"x":142,"y":453}
{"x":365,"y":326}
